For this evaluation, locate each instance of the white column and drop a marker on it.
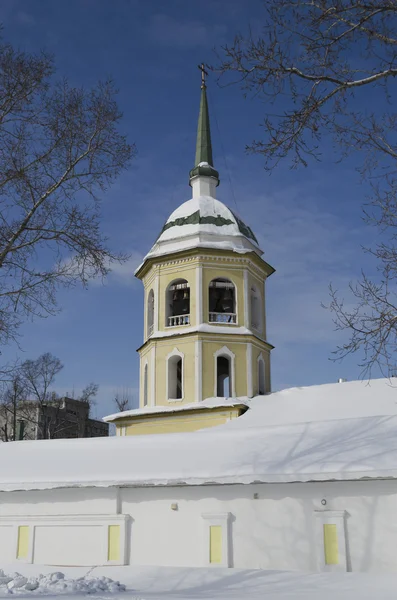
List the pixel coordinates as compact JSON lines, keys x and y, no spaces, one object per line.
{"x":199,"y":295}
{"x":145,"y":328}
{"x":247,"y":323}
{"x":250,"y":391}
{"x":198,"y":351}
{"x":156,"y":304}
{"x":153,"y":376}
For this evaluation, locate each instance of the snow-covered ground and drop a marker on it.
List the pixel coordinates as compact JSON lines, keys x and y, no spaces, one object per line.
{"x":158,"y":583}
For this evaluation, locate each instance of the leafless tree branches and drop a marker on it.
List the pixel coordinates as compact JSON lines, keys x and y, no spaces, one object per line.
{"x":30,"y":408}
{"x":60,"y":147}
{"x":122,"y":399}
{"x":328,"y":68}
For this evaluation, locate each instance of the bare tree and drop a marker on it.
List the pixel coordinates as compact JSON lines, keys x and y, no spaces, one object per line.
{"x":13,"y":393}
{"x":31,"y":409}
{"x":89,"y":393}
{"x":60,"y":146}
{"x":39,"y":375}
{"x":123,"y":399}
{"x":318,"y":64}
{"x":41,"y":406}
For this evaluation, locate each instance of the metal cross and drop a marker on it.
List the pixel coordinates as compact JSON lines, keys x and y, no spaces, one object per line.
{"x":203,"y":74}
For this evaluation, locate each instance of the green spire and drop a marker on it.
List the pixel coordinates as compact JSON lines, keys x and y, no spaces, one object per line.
{"x":203,"y":144}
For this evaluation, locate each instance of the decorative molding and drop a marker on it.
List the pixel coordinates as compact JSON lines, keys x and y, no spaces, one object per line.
{"x":250,"y":391}
{"x":213,"y":520}
{"x":224,"y":351}
{"x":338,"y":519}
{"x":86,"y":520}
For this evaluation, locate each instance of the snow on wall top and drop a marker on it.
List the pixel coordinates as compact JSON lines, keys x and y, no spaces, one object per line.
{"x":204,"y":222}
{"x":354,"y":438}
{"x":155,"y":410}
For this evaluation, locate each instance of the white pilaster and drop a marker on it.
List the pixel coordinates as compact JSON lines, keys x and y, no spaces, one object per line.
{"x":198,"y":351}
{"x":250,"y":391}
{"x":145,"y":328}
{"x":199,"y":295}
{"x":153,"y":376}
{"x":156,"y":304}
{"x":247,"y":323}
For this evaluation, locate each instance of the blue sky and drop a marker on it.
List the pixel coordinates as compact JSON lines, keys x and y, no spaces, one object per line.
{"x":308,"y":221}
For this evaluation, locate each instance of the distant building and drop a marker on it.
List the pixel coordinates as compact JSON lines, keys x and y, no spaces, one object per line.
{"x":60,"y":418}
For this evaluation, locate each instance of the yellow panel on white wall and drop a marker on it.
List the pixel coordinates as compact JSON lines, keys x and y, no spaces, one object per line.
{"x":331,"y":544}
{"x":113,"y":542}
{"x":215,"y":544}
{"x":23,"y":541}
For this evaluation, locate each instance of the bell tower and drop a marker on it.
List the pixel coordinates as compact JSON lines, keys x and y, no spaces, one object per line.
{"x":204,"y":297}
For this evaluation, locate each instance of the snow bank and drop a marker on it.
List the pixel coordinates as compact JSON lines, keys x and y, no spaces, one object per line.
{"x":55,"y":583}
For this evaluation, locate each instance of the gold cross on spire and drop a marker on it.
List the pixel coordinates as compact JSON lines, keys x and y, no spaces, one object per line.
{"x":203,"y":75}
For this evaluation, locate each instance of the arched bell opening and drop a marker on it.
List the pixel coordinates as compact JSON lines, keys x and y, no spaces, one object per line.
{"x":223,"y":377}
{"x":178,"y":303}
{"x":222,"y":301}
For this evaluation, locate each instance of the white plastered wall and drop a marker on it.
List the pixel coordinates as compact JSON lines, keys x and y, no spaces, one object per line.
{"x":65,"y":527}
{"x":274,"y":526}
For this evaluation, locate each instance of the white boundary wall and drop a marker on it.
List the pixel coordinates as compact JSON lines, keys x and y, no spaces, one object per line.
{"x":274,"y":526}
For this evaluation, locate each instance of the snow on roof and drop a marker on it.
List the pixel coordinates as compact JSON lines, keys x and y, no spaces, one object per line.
{"x":323,"y":451}
{"x":332,"y":432}
{"x":204,"y":222}
{"x":347,"y":400}
{"x":157,"y":410}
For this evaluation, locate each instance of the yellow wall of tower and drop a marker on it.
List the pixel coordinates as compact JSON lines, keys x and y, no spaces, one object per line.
{"x":198,"y":347}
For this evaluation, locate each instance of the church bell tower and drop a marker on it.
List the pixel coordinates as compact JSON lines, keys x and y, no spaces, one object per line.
{"x":204,"y":297}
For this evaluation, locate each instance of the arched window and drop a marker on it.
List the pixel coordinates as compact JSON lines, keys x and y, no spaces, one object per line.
{"x":145,"y":385}
{"x":178,"y":303}
{"x":223,"y":377}
{"x":222,"y":301}
{"x":224,"y":371}
{"x":256,"y":309}
{"x":150,"y":313}
{"x":175,"y":377}
{"x":261,"y":376}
